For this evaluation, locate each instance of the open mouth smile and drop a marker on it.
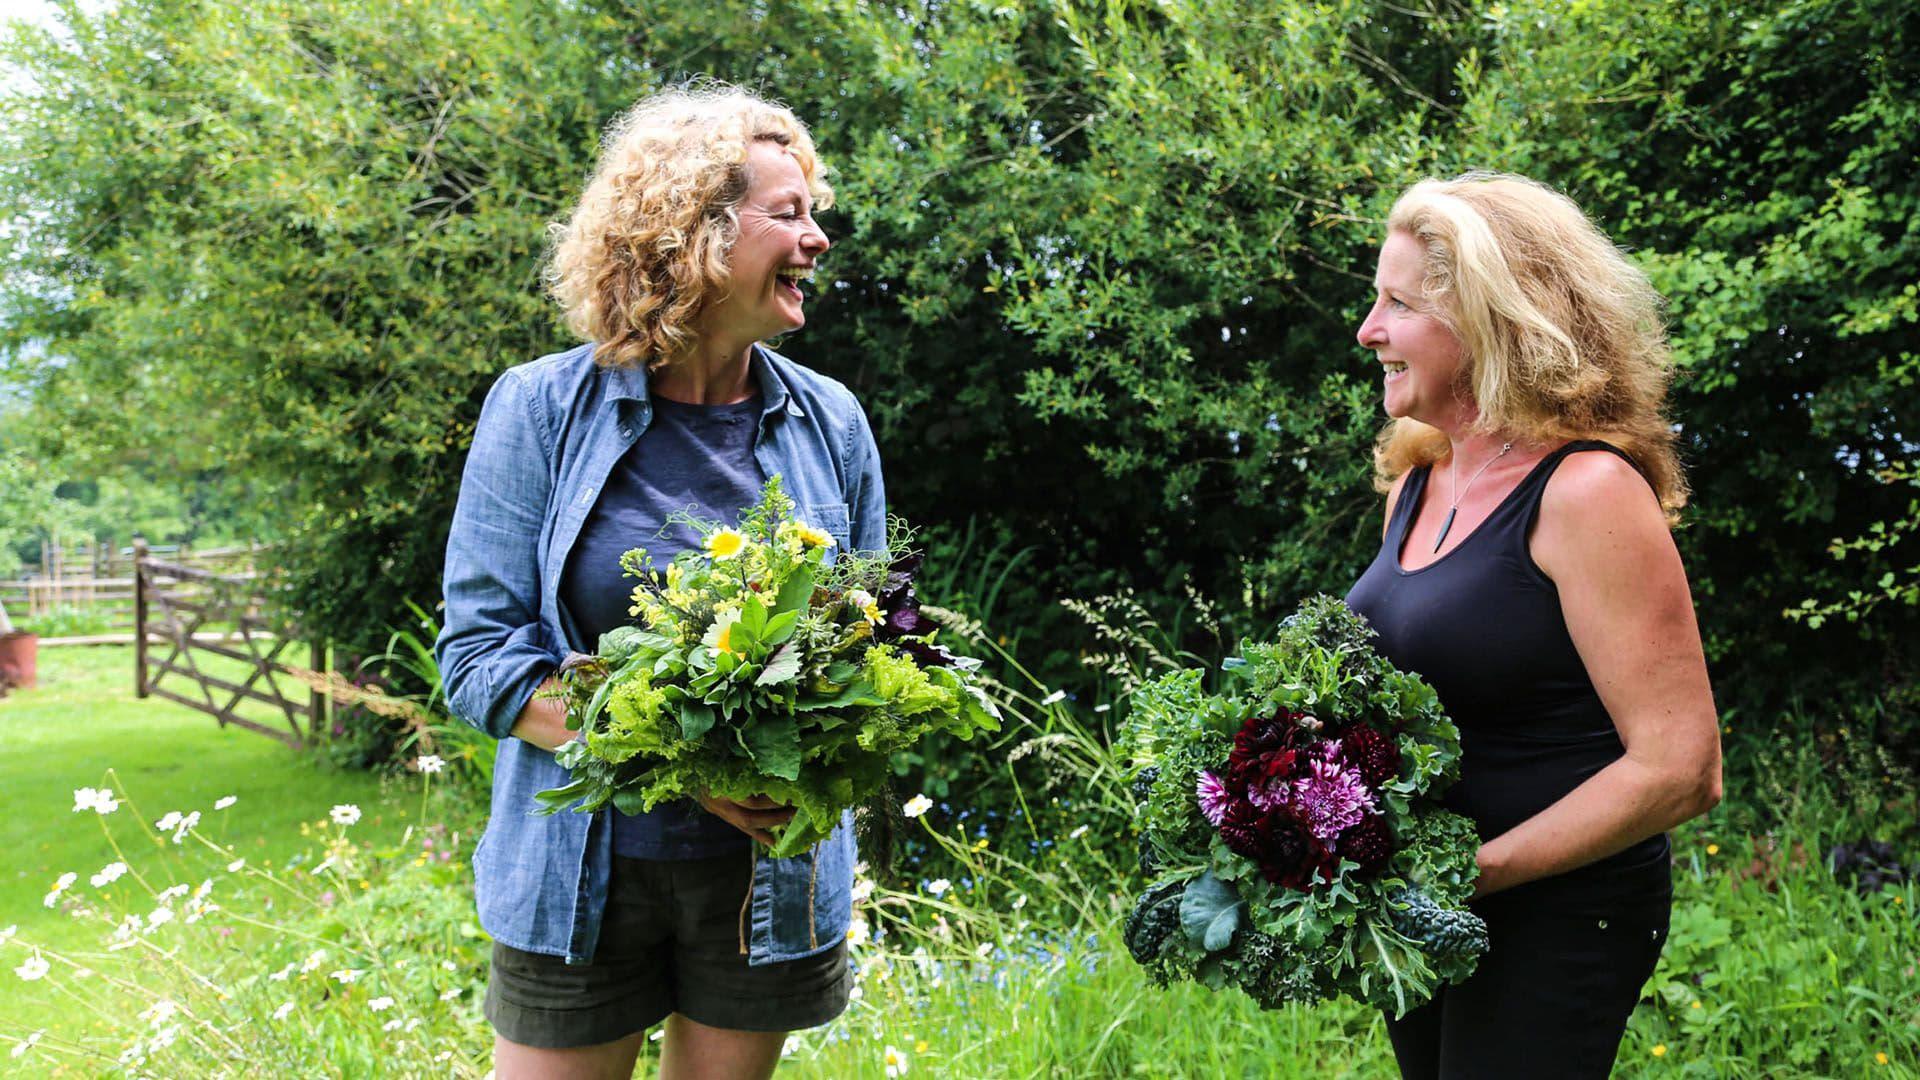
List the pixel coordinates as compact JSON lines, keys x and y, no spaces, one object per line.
{"x":792,"y":276}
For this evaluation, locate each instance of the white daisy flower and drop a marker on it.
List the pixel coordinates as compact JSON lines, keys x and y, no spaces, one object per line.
{"x":916,"y":806}
{"x":108,"y":874}
{"x":98,"y":800}
{"x":35,"y":967}
{"x":430,"y":763}
{"x":53,"y":896}
{"x":345,"y":814}
{"x":224,"y":801}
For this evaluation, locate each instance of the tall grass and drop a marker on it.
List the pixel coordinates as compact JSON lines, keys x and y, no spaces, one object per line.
{"x":999,"y":958}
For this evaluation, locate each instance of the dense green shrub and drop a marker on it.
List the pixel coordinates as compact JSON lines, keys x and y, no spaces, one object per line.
{"x":1096,"y":275}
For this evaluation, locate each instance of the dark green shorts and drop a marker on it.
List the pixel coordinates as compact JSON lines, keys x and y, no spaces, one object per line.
{"x":669,"y":942}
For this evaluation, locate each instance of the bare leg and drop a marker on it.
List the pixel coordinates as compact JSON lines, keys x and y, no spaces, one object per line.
{"x":607,"y":1061}
{"x":694,"y":1051}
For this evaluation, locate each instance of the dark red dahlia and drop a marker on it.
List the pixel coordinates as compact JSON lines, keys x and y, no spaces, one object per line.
{"x":1244,"y":829}
{"x":1263,"y":753}
{"x":1371,"y":754}
{"x":1292,"y":856}
{"x":1370,"y":843}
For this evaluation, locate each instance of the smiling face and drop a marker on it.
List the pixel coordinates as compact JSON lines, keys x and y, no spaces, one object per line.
{"x":1419,"y":354}
{"x":774,"y":252}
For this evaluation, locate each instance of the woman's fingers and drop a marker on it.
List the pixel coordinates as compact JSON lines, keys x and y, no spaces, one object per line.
{"x":753,"y":816}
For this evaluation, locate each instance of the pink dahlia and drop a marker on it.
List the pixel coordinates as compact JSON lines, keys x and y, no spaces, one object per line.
{"x":1271,"y":795}
{"x":1213,"y":798}
{"x":1331,"y":798}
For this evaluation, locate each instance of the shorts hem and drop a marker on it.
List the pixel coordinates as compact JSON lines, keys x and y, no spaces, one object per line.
{"x":795,"y":1013}
{"x":564,"y":1029}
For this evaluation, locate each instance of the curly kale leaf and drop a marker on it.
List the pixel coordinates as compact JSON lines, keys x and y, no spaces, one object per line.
{"x":1179,"y":730}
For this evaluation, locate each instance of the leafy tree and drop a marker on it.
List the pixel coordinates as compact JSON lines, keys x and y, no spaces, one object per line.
{"x":1096,"y":272}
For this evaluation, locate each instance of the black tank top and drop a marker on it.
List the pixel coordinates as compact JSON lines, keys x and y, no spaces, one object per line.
{"x":1482,"y":624}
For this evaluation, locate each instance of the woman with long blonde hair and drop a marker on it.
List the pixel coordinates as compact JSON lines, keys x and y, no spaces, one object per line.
{"x":1527,"y":571}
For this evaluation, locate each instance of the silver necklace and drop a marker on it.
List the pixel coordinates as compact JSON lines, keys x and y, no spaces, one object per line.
{"x":1460,"y":493}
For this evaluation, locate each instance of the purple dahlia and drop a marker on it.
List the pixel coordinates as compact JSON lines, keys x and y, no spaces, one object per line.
{"x":1331,"y":798}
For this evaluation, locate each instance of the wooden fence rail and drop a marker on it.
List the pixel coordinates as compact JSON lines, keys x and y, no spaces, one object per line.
{"x":99,"y":578}
{"x":172,"y":603}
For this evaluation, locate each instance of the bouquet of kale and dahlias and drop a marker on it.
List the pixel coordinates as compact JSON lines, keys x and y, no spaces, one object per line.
{"x":1294,"y":826}
{"x":761,"y":667}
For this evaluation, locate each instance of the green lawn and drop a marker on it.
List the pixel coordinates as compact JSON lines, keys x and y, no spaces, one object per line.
{"x":83,"y":727}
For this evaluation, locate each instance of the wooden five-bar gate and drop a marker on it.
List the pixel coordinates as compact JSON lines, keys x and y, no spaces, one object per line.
{"x":185,"y":616}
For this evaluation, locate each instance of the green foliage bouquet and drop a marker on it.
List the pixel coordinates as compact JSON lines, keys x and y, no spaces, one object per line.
{"x":762,"y":668}
{"x":1294,"y":825}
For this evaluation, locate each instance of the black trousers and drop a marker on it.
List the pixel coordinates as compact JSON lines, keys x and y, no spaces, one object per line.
{"x":1550,"y":999}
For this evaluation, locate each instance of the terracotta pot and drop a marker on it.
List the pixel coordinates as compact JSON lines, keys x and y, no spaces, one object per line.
{"x":18,"y":654}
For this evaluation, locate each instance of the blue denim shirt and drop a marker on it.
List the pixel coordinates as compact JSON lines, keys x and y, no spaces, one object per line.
{"x":548,"y":437}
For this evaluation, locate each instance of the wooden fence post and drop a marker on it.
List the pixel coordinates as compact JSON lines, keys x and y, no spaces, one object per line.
{"x":318,"y":703}
{"x":139,"y":616}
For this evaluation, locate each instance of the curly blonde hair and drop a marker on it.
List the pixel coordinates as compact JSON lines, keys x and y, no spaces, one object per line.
{"x":646,"y":248}
{"x":1561,"y":336}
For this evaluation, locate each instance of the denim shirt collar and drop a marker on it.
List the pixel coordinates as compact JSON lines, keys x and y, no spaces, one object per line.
{"x":630,"y":384}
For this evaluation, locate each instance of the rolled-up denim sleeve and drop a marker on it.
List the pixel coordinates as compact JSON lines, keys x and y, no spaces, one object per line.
{"x":493,"y":652}
{"x":866,"y":492}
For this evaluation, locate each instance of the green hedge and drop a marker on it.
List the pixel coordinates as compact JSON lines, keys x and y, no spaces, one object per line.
{"x":1096,"y":276}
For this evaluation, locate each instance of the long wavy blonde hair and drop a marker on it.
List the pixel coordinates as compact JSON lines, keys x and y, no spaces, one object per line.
{"x":646,"y":248}
{"x":1561,"y":336}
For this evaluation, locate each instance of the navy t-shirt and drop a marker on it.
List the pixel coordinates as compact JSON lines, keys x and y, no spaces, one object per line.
{"x":697,"y":458}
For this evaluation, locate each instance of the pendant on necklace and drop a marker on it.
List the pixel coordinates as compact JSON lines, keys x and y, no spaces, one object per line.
{"x":1444,"y":526}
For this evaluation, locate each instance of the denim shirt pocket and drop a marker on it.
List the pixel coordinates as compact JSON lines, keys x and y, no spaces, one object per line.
{"x":831,"y":517}
{"x":803,"y":905}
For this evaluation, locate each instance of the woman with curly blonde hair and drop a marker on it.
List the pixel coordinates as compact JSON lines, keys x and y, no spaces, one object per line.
{"x":686,"y":252}
{"x":1528,"y":573}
